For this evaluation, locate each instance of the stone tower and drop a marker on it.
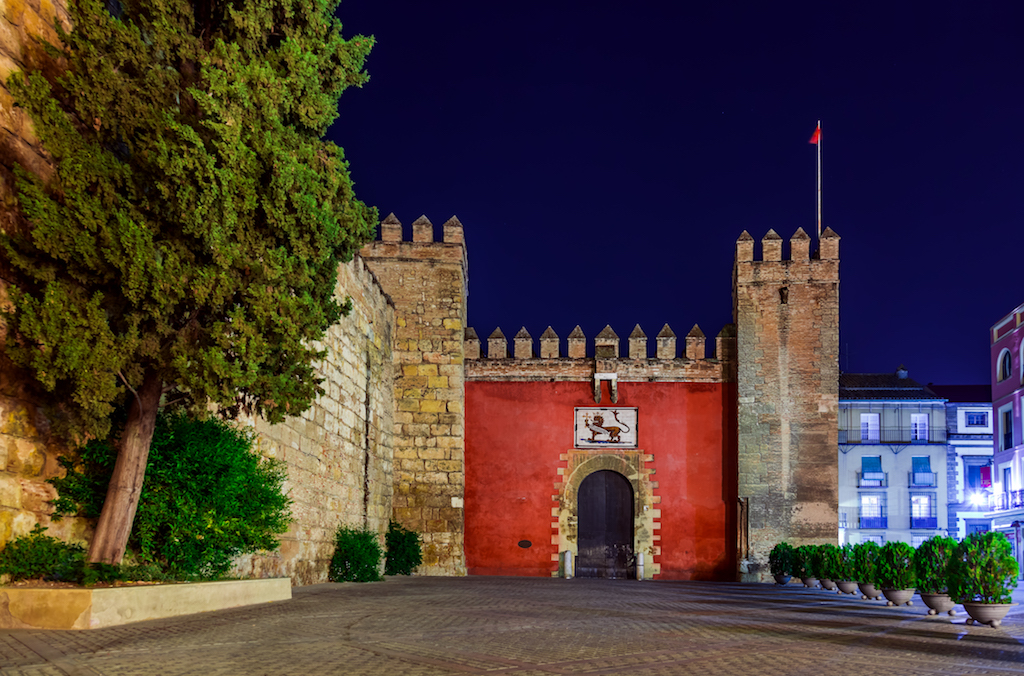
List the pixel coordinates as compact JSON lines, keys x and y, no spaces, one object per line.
{"x":787,"y":322}
{"x":427,"y":282}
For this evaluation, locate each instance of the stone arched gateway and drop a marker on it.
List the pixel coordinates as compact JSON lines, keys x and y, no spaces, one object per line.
{"x":580,"y":464}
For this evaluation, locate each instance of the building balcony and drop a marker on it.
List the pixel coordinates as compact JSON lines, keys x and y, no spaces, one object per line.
{"x":924,"y":522}
{"x":874,"y":522}
{"x":921,"y":479}
{"x":893,"y":435}
{"x":1002,"y":502}
{"x":872,"y":479}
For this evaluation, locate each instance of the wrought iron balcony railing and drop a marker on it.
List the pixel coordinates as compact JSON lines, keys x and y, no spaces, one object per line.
{"x":872,"y":479}
{"x":893,"y":435}
{"x":921,"y":479}
{"x":1006,"y":501}
{"x":874,"y":522}
{"x":924,"y":522}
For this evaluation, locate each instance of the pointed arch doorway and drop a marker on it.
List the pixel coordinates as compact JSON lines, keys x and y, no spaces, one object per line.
{"x":605,"y":509}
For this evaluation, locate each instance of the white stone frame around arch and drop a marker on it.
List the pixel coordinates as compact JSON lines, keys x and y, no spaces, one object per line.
{"x":630,"y":463}
{"x":1000,"y":374}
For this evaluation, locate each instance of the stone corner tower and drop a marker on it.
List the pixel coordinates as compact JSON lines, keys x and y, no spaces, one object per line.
{"x":787,"y":321}
{"x":427,"y":281}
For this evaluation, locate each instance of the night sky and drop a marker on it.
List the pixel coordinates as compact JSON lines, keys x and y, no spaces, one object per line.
{"x":604,"y":157}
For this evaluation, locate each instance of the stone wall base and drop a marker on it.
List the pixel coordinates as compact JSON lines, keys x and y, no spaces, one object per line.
{"x":29,"y":608}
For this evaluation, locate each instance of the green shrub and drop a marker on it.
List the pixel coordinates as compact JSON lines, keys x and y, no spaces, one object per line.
{"x":805,"y":561}
{"x":208,"y":496}
{"x":404,"y":550}
{"x":865,"y":555}
{"x":983,"y":569}
{"x":39,"y":556}
{"x":781,"y":559}
{"x":833,"y":563}
{"x":357,"y":556}
{"x":931,"y":564}
{"x":895,"y":566}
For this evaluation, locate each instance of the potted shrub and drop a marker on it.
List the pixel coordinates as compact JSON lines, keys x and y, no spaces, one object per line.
{"x":843,"y":570}
{"x":931,"y":566}
{"x":865,"y":555}
{"x":982,"y":574}
{"x":780,"y":560}
{"x":805,"y":564}
{"x":895,"y":572}
{"x":838,"y":564}
{"x":827,"y":562}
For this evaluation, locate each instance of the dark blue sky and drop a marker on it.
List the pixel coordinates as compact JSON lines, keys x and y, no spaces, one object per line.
{"x":604,"y":157}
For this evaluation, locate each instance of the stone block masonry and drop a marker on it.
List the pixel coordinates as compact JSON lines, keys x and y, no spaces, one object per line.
{"x":339,"y":452}
{"x":427,"y":282}
{"x":787,"y":322}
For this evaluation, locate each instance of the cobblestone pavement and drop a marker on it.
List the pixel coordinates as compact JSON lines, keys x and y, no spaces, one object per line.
{"x":533,"y":627}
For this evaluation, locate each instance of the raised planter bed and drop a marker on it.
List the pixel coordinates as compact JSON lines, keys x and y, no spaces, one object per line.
{"x":38,"y":608}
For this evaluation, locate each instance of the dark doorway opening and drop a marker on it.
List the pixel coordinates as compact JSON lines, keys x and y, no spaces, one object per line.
{"x":605,"y":527}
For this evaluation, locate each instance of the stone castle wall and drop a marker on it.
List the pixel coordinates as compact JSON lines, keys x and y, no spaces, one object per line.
{"x":787,"y":323}
{"x":28,"y":457}
{"x":427,"y":281}
{"x":339,"y":452}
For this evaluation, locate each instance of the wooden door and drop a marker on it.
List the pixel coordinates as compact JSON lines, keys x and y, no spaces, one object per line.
{"x":605,"y":533}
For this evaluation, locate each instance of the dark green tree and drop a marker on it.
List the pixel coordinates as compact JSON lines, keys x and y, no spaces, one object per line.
{"x":186,"y":246}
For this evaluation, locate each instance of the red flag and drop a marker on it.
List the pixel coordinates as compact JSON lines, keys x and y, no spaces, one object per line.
{"x":817,"y":136}
{"x":986,"y":477}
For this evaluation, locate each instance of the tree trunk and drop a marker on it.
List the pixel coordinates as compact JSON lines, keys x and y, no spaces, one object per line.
{"x":118,"y":514}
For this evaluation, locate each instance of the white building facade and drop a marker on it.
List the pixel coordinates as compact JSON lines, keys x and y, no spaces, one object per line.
{"x":892,"y":459}
{"x":969,"y":427}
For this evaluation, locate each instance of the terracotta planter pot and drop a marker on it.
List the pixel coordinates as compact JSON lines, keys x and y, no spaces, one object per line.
{"x":869,"y":591}
{"x":828,"y":584}
{"x":847,"y":587}
{"x":899,"y":597}
{"x":938,"y":603}
{"x":991,"y":614}
{"x":810,"y":581}
{"x":781,"y":579}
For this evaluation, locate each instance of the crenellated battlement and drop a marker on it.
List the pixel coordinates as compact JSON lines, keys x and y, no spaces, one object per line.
{"x":525,"y":362}
{"x":422,"y":230}
{"x":801,"y":265}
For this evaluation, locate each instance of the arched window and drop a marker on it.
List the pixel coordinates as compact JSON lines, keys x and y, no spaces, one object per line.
{"x":1005,"y":365}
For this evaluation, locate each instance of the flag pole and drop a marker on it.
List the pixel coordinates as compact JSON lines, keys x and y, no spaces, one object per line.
{"x":819,"y":179}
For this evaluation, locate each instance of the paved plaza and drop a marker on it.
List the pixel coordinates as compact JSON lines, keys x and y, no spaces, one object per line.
{"x":533,"y":627}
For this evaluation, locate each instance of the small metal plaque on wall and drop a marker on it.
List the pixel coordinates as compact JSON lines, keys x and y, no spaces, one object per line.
{"x":605,"y":427}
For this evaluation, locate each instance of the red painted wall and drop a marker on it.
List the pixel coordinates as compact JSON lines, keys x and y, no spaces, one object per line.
{"x":516,"y":431}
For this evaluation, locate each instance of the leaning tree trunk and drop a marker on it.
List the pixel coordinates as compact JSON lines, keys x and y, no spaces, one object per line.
{"x":118,"y":514}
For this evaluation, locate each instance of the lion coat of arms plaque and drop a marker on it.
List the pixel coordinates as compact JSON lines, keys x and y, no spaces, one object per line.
{"x":604,"y":427}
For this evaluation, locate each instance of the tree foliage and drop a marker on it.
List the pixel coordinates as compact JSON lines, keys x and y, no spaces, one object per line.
{"x":187,"y":243}
{"x":209,"y":496}
{"x":196,"y":219}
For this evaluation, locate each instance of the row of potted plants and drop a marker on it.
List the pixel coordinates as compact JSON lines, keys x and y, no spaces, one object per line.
{"x":980,"y":572}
